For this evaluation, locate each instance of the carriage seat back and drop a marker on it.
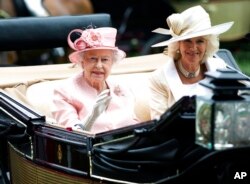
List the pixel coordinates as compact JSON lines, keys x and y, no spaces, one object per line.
{"x":31,"y":33}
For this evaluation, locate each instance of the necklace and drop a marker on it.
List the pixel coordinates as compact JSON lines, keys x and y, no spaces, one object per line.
{"x":186,"y":73}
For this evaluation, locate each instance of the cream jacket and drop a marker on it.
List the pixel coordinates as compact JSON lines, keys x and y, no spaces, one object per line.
{"x":166,"y":86}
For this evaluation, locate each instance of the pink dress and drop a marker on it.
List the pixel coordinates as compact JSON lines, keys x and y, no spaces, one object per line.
{"x":74,"y":99}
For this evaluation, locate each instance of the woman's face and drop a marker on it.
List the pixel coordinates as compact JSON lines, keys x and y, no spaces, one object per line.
{"x":193,"y":50}
{"x":97,"y":66}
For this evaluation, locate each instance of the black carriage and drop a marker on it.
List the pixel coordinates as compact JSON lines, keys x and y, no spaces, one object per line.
{"x":155,"y":151}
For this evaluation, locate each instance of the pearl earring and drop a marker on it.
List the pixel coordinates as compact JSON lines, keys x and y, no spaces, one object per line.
{"x":165,"y":51}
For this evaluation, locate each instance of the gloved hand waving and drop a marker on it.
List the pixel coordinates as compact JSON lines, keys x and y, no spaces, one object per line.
{"x":101,"y":104}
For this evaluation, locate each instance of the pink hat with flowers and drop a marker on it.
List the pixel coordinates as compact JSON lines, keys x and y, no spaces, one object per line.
{"x":93,"y":38}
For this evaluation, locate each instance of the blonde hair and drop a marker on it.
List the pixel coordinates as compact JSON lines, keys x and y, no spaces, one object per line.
{"x":212,"y":47}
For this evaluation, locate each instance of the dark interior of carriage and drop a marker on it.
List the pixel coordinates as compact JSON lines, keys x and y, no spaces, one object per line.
{"x":168,"y":147}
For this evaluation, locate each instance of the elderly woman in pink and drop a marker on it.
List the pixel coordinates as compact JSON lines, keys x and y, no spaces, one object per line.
{"x":89,"y":100}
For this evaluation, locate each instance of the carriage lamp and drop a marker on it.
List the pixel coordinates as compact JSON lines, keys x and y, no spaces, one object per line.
{"x":223,"y":118}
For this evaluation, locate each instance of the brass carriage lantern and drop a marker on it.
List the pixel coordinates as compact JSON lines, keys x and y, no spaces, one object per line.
{"x":223,"y":118}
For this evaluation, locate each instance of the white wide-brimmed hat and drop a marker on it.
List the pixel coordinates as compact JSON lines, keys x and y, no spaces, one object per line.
{"x":193,"y":22}
{"x":93,"y":39}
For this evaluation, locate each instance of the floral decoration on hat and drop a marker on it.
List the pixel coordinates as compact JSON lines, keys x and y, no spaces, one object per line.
{"x":93,"y":38}
{"x":89,"y":38}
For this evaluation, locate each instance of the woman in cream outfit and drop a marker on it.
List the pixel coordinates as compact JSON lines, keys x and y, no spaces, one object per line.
{"x":189,"y":55}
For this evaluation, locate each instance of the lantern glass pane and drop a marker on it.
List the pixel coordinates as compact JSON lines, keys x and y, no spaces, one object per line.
{"x":232,"y":124}
{"x":203,"y":122}
{"x":224,"y":112}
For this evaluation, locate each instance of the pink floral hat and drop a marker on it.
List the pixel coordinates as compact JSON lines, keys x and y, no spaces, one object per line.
{"x":90,"y":39}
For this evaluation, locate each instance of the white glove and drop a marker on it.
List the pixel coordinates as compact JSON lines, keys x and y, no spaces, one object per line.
{"x":101,"y":104}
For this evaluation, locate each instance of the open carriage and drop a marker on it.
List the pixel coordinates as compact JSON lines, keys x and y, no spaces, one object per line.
{"x":35,"y":150}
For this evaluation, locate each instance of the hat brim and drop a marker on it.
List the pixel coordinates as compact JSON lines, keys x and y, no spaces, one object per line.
{"x":214,"y":30}
{"x":76,"y":56}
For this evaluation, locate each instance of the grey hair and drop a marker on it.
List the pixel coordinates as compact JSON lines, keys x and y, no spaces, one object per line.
{"x":116,"y":57}
{"x":212,"y":47}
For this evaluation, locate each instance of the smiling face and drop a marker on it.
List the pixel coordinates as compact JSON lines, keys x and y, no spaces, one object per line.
{"x":97,"y":66}
{"x":192,"y":52}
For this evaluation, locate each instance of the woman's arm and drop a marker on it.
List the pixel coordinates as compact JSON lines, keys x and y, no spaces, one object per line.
{"x":159,"y":95}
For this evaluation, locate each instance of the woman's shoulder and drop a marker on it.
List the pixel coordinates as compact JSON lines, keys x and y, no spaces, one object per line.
{"x":68,"y":83}
{"x":167,"y":66}
{"x":76,"y":78}
{"x":159,"y":74}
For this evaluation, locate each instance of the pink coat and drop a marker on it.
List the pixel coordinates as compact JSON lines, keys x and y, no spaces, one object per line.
{"x":74,"y":99}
